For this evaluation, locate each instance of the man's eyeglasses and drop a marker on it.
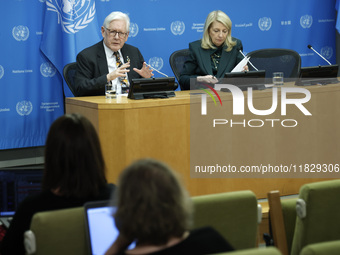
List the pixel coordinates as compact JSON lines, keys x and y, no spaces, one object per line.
{"x":113,"y":33}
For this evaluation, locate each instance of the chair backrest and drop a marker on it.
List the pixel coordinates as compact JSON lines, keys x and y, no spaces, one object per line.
{"x":60,"y":232}
{"x":254,"y":251}
{"x":282,"y":217}
{"x":324,"y":248}
{"x":68,"y":73}
{"x":233,"y":214}
{"x":177,"y":60}
{"x":318,"y":211}
{"x":276,"y":60}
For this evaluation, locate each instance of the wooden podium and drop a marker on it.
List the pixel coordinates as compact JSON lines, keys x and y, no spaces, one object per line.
{"x":160,"y":128}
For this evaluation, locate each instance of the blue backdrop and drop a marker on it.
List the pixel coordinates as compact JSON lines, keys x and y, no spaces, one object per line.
{"x":38,"y":37}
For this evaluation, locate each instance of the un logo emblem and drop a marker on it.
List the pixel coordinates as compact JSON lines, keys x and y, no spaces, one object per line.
{"x":156,"y":63}
{"x":24,"y":108}
{"x":133,"y":30}
{"x":306,"y":21}
{"x":20,"y":33}
{"x":47,"y":69}
{"x":327,"y":52}
{"x":265,"y":23}
{"x":2,"y":71}
{"x":73,"y":15}
{"x":177,"y":27}
{"x":287,"y":59}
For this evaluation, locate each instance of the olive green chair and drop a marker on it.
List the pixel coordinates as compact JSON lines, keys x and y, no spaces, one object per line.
{"x":324,"y":248}
{"x":255,"y":251}
{"x":318,"y":211}
{"x":314,"y":217}
{"x":235,"y":215}
{"x":57,"y":232}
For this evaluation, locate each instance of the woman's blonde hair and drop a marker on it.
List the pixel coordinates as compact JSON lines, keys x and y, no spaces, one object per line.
{"x":223,"y":18}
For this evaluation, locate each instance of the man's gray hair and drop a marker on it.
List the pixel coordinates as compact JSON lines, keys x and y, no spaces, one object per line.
{"x":117,"y":16}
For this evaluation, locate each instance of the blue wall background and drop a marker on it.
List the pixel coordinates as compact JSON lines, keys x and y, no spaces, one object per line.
{"x":31,"y":88}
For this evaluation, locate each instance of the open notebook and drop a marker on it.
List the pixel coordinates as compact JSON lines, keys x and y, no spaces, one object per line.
{"x":100,"y":227}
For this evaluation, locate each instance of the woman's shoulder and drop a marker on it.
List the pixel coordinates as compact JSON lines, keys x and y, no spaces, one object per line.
{"x":238,"y":41}
{"x":205,"y":231}
{"x":34,"y":203}
{"x":195,"y":44}
{"x":36,"y":199}
{"x":208,"y":235}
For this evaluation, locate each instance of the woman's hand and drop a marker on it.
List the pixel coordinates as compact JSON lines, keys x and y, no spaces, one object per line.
{"x":207,"y":79}
{"x":245,"y":68}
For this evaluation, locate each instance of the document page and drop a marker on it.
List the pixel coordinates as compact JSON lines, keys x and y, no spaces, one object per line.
{"x":239,"y":67}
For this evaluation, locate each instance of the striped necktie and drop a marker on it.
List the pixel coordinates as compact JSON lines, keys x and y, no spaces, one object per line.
{"x":124,"y":82}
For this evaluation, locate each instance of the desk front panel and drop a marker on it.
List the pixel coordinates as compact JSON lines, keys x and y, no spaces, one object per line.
{"x":160,"y":128}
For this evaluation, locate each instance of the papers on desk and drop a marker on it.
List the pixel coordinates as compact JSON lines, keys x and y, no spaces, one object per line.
{"x":239,"y":67}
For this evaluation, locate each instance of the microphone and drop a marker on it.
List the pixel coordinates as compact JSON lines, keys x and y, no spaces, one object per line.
{"x":156,"y":70}
{"x":248,"y":61}
{"x":310,"y":47}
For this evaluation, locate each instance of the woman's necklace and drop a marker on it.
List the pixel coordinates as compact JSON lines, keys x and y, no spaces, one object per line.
{"x":216,"y":59}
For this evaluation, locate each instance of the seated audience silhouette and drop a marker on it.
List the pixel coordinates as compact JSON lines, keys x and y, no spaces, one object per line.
{"x":74,"y":173}
{"x":155,"y":211}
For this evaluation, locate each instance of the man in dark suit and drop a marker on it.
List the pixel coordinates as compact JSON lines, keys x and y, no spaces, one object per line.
{"x":110,"y":60}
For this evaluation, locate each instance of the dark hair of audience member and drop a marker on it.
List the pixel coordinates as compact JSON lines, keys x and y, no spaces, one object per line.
{"x":74,"y":164}
{"x":152,"y":205}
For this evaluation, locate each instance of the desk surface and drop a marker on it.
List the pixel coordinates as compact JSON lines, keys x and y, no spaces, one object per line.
{"x":160,"y":128}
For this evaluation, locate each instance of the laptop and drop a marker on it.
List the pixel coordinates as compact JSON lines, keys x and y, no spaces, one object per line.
{"x":314,"y":75}
{"x":100,"y":227}
{"x":15,"y":185}
{"x":243,"y":80}
{"x":144,"y":88}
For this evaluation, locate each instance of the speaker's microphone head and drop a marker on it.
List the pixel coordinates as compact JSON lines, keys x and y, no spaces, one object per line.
{"x":309,"y":46}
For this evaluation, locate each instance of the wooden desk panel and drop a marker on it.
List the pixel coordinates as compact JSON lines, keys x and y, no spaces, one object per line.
{"x":160,"y":128}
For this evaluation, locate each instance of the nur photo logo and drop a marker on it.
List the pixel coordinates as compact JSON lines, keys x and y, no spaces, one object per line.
{"x":204,"y":98}
{"x":282,"y":97}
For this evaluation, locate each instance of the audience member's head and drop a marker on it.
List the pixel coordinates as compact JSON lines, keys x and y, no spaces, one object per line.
{"x":152,"y":204}
{"x":74,"y":164}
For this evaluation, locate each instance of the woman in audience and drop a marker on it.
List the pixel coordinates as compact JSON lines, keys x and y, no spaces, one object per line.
{"x":74,"y":173}
{"x":215,"y":54}
{"x":155,"y":211}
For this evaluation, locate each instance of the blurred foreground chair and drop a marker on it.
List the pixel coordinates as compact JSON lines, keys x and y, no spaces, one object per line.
{"x":68,"y":73}
{"x":57,"y":232}
{"x":177,"y":60}
{"x":282,"y":217}
{"x":276,"y":60}
{"x":324,"y":248}
{"x":317,"y":217}
{"x":235,"y":215}
{"x":254,"y":251}
{"x":318,"y":211}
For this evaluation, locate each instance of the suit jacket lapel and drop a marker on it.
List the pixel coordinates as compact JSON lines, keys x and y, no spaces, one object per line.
{"x":206,"y":62}
{"x":101,"y":59}
{"x":224,"y":63}
{"x":124,"y":53}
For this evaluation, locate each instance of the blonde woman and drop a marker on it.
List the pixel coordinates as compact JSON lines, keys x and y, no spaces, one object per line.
{"x":215,"y":54}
